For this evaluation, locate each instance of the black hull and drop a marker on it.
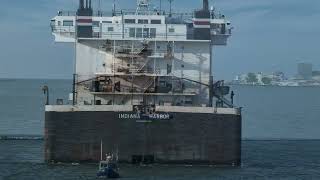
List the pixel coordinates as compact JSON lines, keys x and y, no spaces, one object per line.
{"x":185,"y":138}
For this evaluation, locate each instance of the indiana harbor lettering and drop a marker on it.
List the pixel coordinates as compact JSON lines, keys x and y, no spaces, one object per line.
{"x":140,"y":116}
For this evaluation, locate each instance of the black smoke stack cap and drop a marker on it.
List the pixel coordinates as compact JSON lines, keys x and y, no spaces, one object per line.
{"x":81,"y":4}
{"x":206,"y":5}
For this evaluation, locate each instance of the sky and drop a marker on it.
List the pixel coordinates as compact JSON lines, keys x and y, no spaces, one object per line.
{"x":268,"y":36}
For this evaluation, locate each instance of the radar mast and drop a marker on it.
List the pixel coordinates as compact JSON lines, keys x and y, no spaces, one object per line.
{"x":142,"y":7}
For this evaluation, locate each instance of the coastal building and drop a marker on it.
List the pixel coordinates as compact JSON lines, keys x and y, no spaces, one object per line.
{"x":305,"y":77}
{"x":279,"y":76}
{"x":260,"y":77}
{"x":304,"y":71}
{"x":316,"y":75}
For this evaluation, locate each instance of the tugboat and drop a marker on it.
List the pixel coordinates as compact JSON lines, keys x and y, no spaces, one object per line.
{"x":108,"y":169}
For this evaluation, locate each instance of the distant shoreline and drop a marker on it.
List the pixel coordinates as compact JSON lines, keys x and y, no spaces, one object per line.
{"x":251,"y":85}
{"x":15,"y":79}
{"x":41,"y":138}
{"x":20,"y":137}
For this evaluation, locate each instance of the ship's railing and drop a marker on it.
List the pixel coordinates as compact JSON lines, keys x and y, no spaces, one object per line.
{"x":111,"y":84}
{"x":155,"y":12}
{"x":70,"y":32}
{"x":219,"y":34}
{"x":63,"y":29}
{"x":142,"y":36}
{"x":134,"y":69}
{"x":66,"y":13}
{"x":129,"y":53}
{"x":184,"y":15}
{"x":120,"y":35}
{"x":176,"y":14}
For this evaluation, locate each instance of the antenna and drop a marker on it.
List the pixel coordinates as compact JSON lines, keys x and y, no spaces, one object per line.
{"x":170,"y":2}
{"x":142,"y":7}
{"x":114,"y":8}
{"x":99,"y":8}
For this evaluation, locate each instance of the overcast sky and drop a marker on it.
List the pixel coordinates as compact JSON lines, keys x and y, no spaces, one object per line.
{"x":269,"y":35}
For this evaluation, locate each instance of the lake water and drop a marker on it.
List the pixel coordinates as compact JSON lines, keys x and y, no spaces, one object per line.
{"x":286,"y":115}
{"x":268,"y":112}
{"x":261,"y":160}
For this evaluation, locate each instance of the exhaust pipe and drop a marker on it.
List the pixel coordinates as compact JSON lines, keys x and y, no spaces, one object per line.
{"x":205,"y":5}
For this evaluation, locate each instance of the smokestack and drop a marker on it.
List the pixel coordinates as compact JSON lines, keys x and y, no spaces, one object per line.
{"x":81,"y":4}
{"x":205,"y":5}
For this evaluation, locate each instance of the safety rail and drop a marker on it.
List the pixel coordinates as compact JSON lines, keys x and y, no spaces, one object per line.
{"x":111,"y":85}
{"x":134,"y":70}
{"x":98,"y":34}
{"x":119,"y":36}
{"x":181,"y":15}
{"x":140,"y":53}
{"x":185,"y":15}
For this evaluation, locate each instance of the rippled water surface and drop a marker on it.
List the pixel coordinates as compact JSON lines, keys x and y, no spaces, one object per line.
{"x":269,"y":113}
{"x":261,"y":160}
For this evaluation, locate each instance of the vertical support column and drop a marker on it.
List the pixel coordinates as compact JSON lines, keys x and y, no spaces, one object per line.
{"x":154,"y":70}
{"x":132,"y":77}
{"x":122,"y":19}
{"x":210,"y":91}
{"x":172,"y":69}
{"x":211,"y":75}
{"x":154,"y":59}
{"x":166,"y":31}
{"x":74,"y":90}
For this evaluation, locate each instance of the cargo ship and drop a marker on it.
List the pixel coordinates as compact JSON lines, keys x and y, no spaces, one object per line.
{"x":143,"y":88}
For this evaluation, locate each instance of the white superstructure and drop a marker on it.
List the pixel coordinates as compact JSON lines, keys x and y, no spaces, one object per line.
{"x":142,"y":56}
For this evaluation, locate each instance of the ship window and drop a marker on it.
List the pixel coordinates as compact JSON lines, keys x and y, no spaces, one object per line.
{"x":59,"y":23}
{"x":162,"y":83}
{"x":110,"y":29}
{"x":130,"y":21}
{"x":132,"y":32}
{"x":95,"y":23}
{"x":153,"y":32}
{"x":143,"y":21}
{"x":156,"y":21}
{"x":171,"y":30}
{"x":145,"y":32}
{"x":67,"y":23}
{"x":139,"y":32}
{"x":107,"y":22}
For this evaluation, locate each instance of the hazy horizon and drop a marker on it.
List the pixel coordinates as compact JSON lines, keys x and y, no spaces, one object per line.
{"x":268,"y":36}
